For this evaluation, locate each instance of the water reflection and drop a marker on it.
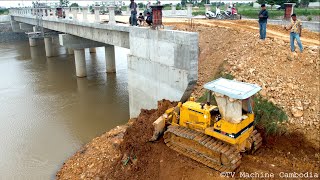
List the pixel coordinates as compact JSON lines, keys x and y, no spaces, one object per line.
{"x":47,"y":113}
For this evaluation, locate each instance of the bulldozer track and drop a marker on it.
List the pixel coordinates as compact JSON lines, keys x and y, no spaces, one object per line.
{"x":257,"y":140}
{"x":203,"y":148}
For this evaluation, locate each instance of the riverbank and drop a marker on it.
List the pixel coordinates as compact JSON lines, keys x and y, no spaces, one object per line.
{"x":230,"y":47}
{"x":7,"y":35}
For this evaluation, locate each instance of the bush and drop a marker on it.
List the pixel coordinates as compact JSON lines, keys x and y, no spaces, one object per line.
{"x":196,"y":13}
{"x":268,"y":116}
{"x":4,"y":11}
{"x":309,"y":18}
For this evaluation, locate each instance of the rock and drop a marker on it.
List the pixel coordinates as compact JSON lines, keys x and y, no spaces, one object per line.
{"x":296,"y":112}
{"x":263,"y":93}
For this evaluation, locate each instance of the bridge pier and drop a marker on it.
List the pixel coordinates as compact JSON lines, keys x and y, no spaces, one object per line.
{"x":32,"y":42}
{"x":92,"y":50}
{"x":80,"y":61}
{"x":70,"y":51}
{"x":48,"y":46}
{"x":110,"y":59}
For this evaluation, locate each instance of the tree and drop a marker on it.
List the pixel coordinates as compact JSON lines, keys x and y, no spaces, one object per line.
{"x":64,"y":3}
{"x":183,"y":2}
{"x":261,"y":1}
{"x":74,"y":5}
{"x":271,"y":3}
{"x":305,"y":3}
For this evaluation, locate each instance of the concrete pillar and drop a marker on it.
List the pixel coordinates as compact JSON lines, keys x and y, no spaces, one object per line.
{"x":208,"y":7}
{"x":85,"y":13}
{"x":173,"y":9}
{"x":67,"y":11}
{"x":54,"y":13}
{"x":80,"y":61}
{"x":74,"y":11}
{"x":92,"y":50}
{"x":112,"y":19}
{"x":110,"y":59}
{"x":70,"y":51}
{"x":43,"y":12}
{"x":34,"y":28}
{"x":32,"y":42}
{"x":48,"y":46}
{"x":128,"y":10}
{"x":79,"y":10}
{"x":97,"y":13}
{"x":189,"y":10}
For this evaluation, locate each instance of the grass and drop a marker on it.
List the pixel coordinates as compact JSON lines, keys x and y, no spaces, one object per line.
{"x":4,"y":11}
{"x":269,"y":116}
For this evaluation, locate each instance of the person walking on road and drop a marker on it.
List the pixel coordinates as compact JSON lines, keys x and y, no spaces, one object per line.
{"x":295,"y":32}
{"x":133,"y":18}
{"x":263,"y":16}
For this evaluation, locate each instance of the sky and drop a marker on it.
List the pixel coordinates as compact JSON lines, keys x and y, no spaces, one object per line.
{"x":16,"y":3}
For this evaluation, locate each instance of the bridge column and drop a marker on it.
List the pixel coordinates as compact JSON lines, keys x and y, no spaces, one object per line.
{"x":189,"y":10}
{"x":74,"y":11}
{"x":173,"y":9}
{"x":85,"y":13}
{"x":32,"y":42}
{"x":48,"y":46}
{"x":66,"y":11}
{"x":110,"y":59}
{"x":80,"y":61}
{"x":112,"y":19}
{"x":70,"y":51}
{"x":97,"y":13}
{"x":92,"y":50}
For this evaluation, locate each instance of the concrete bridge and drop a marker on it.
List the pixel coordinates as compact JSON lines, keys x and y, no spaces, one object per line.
{"x":162,"y":64}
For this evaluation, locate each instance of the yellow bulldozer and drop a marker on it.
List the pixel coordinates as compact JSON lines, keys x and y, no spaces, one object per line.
{"x":213,"y":135}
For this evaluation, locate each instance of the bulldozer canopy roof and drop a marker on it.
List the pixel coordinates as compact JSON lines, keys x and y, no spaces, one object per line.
{"x":233,"y":89}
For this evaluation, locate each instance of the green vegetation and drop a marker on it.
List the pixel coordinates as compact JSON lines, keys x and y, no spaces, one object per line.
{"x":4,"y":11}
{"x":74,"y":5}
{"x":269,"y":116}
{"x":253,"y":13}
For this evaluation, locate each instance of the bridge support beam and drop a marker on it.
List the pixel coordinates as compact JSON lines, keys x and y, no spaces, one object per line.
{"x":70,"y":51}
{"x":110,"y":59}
{"x":26,"y":27}
{"x":48,"y":46}
{"x":32,"y":42}
{"x":92,"y":50}
{"x":80,"y":61}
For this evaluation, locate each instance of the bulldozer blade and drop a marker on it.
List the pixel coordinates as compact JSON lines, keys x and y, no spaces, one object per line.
{"x":158,"y":127}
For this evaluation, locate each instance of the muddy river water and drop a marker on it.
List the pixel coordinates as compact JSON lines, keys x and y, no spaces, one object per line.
{"x":47,"y":113}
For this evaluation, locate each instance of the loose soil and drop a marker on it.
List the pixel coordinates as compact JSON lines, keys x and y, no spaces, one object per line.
{"x":126,"y":153}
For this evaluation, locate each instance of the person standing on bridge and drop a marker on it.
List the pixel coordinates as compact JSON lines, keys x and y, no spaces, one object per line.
{"x":133,"y":18}
{"x":263,"y":16}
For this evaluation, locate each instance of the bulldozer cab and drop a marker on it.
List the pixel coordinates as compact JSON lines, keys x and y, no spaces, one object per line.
{"x":234,"y":98}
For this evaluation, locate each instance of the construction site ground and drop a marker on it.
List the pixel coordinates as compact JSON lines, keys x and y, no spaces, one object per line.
{"x":233,"y":47}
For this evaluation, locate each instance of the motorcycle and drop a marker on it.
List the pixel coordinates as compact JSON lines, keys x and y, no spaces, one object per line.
{"x":212,"y":15}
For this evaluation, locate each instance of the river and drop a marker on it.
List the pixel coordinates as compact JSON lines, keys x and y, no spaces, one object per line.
{"x":47,"y":113}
